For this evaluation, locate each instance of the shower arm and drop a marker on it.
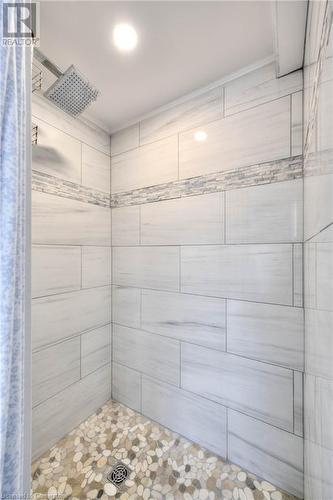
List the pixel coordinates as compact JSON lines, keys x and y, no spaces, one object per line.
{"x":47,"y":63}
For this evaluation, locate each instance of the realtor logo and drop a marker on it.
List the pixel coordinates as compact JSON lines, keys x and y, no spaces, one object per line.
{"x":20,"y":24}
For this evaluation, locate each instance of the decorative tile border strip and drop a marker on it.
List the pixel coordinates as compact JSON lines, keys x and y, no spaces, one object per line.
{"x":53,"y":185}
{"x":255,"y":175}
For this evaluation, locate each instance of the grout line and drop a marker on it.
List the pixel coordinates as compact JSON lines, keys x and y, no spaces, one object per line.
{"x":226,"y":324}
{"x":201,"y":396}
{"x":221,"y":351}
{"x":180,"y":364}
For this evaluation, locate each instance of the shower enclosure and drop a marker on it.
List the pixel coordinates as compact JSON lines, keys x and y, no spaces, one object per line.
{"x":183,"y":269}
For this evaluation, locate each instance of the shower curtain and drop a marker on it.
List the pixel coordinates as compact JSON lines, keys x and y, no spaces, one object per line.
{"x":13,"y":161}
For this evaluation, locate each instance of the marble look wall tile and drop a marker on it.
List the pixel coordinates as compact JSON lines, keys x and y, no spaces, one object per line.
{"x":195,"y":111}
{"x":194,"y":319}
{"x":96,"y":169}
{"x":146,"y":267}
{"x":145,"y":166}
{"x":126,"y":226}
{"x":185,"y":221}
{"x":324,"y":271}
{"x":261,"y":273}
{"x":271,"y":213}
{"x":266,"y":332}
{"x":149,"y":354}
{"x":96,"y":266}
{"x":59,"y":316}
{"x":55,"y":368}
{"x":196,"y":418}
{"x":125,"y":139}
{"x":82,"y":130}
{"x":318,"y":213}
{"x":319,"y":400}
{"x":298,"y":403}
{"x":258,"y":389}
{"x":298,"y":274}
{"x":126,"y":386}
{"x":253,"y":136}
{"x":297,"y":123}
{"x":258,"y":87}
{"x":319,"y":342}
{"x":52,"y":419}
{"x":61,"y":221}
{"x":273,"y":453}
{"x":56,"y":153}
{"x":318,"y":468}
{"x":55,"y":269}
{"x":126,"y":306}
{"x":95,"y":349}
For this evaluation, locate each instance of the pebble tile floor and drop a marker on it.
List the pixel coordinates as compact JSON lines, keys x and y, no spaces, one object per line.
{"x":163,"y":465}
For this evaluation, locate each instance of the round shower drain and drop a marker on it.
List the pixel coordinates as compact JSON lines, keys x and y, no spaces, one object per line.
{"x":118,"y":474}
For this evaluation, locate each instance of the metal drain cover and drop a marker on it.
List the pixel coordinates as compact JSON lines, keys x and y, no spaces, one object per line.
{"x":118,"y":474}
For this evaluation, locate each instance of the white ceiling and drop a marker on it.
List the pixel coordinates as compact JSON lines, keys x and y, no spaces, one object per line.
{"x":182,"y":46}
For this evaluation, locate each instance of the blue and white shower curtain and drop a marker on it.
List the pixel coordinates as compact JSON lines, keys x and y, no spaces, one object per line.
{"x":13,"y":161}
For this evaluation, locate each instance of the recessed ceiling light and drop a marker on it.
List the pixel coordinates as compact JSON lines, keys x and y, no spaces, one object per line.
{"x":125,"y":37}
{"x":200,"y":135}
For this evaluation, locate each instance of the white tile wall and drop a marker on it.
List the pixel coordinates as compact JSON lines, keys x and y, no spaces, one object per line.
{"x":55,"y":269}
{"x":55,"y":368}
{"x":153,"y":355}
{"x":96,"y":170}
{"x":258,"y":389}
{"x":254,"y":136}
{"x":95,"y":349}
{"x":261,"y":273}
{"x":267,"y":332}
{"x":194,"y":319}
{"x":96,"y":266}
{"x":196,"y":111}
{"x":270,"y":213}
{"x":146,"y":267}
{"x":185,"y":221}
{"x":126,"y":226}
{"x":62,"y":221}
{"x":145,"y":166}
{"x":276,"y":455}
{"x":198,"y":419}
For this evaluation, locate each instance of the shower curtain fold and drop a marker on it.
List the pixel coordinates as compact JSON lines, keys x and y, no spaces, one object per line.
{"x":13,"y":161}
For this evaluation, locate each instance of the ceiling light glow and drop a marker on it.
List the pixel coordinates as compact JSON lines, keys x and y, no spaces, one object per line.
{"x":125,"y":37}
{"x":200,"y":135}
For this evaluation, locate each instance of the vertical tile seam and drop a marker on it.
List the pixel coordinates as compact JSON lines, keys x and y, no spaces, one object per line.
{"x":180,"y":268}
{"x":293,"y":273}
{"x":226,"y":324}
{"x":227,"y":433}
{"x":180,"y":364}
{"x":291,"y":124}
{"x":293,"y":401}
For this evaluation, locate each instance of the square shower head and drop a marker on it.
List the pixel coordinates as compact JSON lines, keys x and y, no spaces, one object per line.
{"x":72,"y":92}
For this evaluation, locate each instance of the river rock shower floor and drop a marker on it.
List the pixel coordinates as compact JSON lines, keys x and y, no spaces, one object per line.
{"x":164,"y":465}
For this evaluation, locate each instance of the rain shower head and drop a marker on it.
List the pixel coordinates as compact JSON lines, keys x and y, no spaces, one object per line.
{"x":71,"y":92}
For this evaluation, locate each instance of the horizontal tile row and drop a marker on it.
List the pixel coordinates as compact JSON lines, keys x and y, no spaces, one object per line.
{"x":83,"y":131}
{"x":258,"y":389}
{"x":59,"y":268}
{"x":244,"y":215}
{"x":65,"y":315}
{"x":260,"y":273}
{"x":59,"y":366}
{"x":253,"y":175}
{"x":62,"y":221}
{"x":56,"y":416}
{"x":250,"y":90}
{"x":257,"y":135}
{"x":265,"y":332}
{"x":273,"y":453}
{"x":60,"y":155}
